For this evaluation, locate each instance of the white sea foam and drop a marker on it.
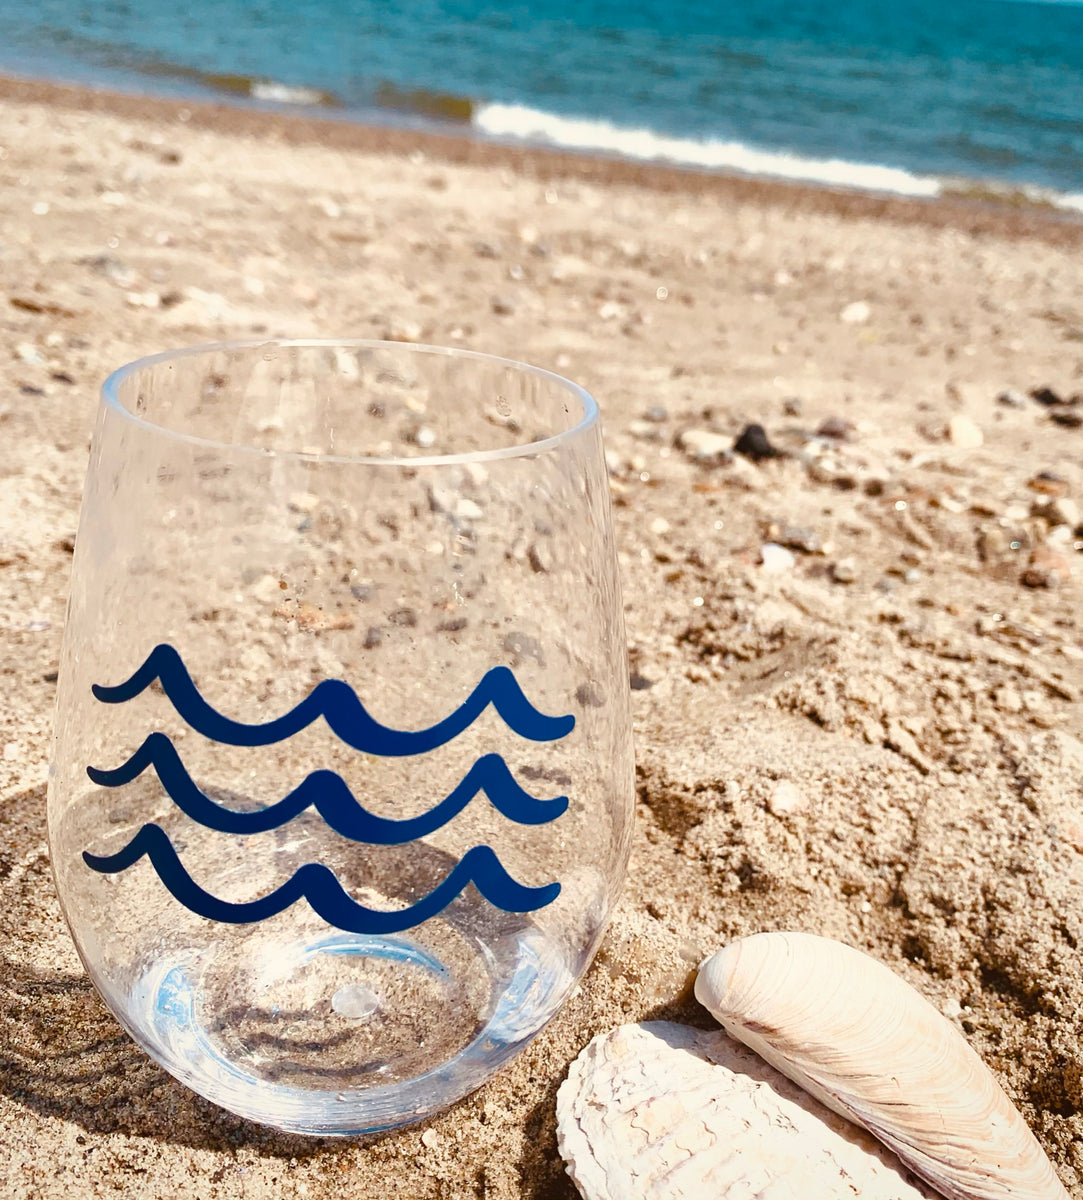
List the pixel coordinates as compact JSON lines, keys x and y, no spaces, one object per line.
{"x":574,"y":133}
{"x":1013,"y":193}
{"x":1073,"y":202}
{"x":513,"y":121}
{"x":281,"y":93}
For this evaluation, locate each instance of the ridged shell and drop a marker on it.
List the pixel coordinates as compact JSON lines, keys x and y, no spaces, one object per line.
{"x":867,"y":1045}
{"x":664,"y":1112}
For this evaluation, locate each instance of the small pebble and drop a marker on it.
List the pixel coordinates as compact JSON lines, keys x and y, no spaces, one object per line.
{"x":1006,"y":699}
{"x":355,"y":1002}
{"x":404,"y":331}
{"x":775,"y":558}
{"x":787,"y":799}
{"x":430,"y":1138}
{"x":1010,"y":398}
{"x":1048,"y":483}
{"x":468,"y":510}
{"x":844,"y":571}
{"x":754,"y":444}
{"x":1046,"y":569}
{"x":798,"y":537}
{"x":691,"y":951}
{"x":704,"y":446}
{"x":143,"y":299}
{"x":1068,"y":418}
{"x":657,"y":414}
{"x":856,"y":313}
{"x":1061,"y":510}
{"x":963,"y":433}
{"x":373,"y":637}
{"x":838,"y":429}
{"x":659,"y":525}
{"x":502,"y":306}
{"x":540,"y":558}
{"x":1072,"y":831}
{"x":1045,"y":396}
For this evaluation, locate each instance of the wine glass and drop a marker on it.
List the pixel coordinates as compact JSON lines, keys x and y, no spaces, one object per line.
{"x":342,"y":787}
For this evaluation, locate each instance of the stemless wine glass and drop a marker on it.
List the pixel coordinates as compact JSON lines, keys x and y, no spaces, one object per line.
{"x":343,"y":783}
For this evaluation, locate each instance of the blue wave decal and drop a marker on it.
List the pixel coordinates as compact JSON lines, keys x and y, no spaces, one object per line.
{"x":321,"y":888}
{"x":337,"y":703}
{"x":328,"y":794}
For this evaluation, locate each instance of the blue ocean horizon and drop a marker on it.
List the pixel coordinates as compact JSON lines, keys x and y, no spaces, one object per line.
{"x":917,"y":97}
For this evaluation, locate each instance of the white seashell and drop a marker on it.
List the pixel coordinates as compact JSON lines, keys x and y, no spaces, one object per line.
{"x":869,"y":1046}
{"x":664,"y":1112}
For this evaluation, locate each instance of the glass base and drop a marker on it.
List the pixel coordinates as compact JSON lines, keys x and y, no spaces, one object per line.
{"x":344,"y":1034}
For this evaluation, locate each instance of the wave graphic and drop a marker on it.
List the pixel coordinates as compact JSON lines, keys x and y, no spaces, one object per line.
{"x":337,"y":703}
{"x":329,"y":795}
{"x":320,"y":887}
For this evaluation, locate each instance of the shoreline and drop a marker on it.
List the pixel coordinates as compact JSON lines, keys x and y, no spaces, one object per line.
{"x":967,"y":214}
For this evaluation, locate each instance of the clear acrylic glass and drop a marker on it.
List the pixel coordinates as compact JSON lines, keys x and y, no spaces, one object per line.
{"x":343,"y":781}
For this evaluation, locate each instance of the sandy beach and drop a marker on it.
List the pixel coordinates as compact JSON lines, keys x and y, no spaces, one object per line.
{"x":870,"y":730}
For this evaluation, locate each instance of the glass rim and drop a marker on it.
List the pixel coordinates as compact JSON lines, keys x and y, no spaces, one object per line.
{"x":110,"y":398}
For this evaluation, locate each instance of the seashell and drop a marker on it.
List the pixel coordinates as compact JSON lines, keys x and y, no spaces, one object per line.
{"x":867,"y":1045}
{"x":664,"y":1112}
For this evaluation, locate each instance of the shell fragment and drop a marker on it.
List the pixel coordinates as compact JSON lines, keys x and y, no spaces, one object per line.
{"x":659,"y":1111}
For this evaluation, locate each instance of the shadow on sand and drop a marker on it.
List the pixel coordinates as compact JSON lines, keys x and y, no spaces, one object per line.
{"x":62,"y":1053}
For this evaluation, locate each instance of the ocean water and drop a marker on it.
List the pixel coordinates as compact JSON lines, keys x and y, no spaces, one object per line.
{"x":915,"y":96}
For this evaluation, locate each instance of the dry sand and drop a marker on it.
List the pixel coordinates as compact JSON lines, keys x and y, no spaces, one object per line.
{"x":879,"y":740}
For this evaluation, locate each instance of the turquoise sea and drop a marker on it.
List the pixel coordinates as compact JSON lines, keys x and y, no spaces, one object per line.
{"x":910,"y":96}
